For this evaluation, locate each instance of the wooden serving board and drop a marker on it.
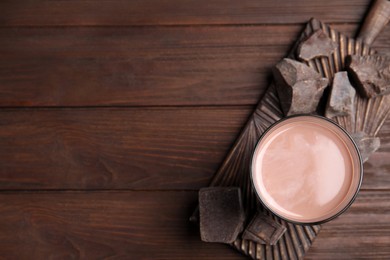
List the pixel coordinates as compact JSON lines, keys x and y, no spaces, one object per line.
{"x":369,"y":117}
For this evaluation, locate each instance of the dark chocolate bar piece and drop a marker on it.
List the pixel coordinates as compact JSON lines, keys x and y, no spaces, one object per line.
{"x":221,"y":214}
{"x":370,"y":73}
{"x":318,"y":44}
{"x":264,"y":230}
{"x":342,"y":96}
{"x":299,"y":87}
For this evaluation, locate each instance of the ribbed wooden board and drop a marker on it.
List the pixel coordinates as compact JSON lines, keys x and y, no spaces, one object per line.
{"x":370,"y":116}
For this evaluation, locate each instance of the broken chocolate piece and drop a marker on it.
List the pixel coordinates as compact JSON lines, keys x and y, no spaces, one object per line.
{"x":371,"y":73}
{"x":316,"y":45}
{"x":299,"y":87}
{"x":264,"y":230}
{"x":342,"y":96}
{"x":221,"y":214}
{"x":367,"y":145}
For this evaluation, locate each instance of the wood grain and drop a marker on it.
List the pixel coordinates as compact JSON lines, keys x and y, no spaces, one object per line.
{"x":142,"y":66}
{"x":138,"y":66}
{"x":130,"y":148}
{"x":176,"y":12}
{"x":377,"y":168}
{"x":360,"y":233}
{"x":154,"y":225}
{"x":115,"y":148}
{"x":382,"y":42}
{"x":96,"y":225}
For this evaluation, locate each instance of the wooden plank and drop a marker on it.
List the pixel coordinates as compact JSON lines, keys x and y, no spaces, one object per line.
{"x":115,"y":148}
{"x":131,"y":225}
{"x":142,"y":66}
{"x":154,"y":225}
{"x":130,"y":148}
{"x":361,"y":233}
{"x":139,"y":66}
{"x":165,"y":12}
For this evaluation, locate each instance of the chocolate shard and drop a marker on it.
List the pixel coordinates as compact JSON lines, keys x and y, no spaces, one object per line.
{"x":367,"y":144}
{"x":299,"y":87}
{"x":342,"y":96}
{"x":371,"y":73}
{"x":318,"y":44}
{"x":264,"y":230}
{"x":221,"y":214}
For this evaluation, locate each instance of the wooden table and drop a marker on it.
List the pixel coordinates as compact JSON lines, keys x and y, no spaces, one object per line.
{"x":114,"y":113}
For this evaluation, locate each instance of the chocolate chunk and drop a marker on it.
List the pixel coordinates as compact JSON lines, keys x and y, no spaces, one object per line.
{"x":316,"y":45}
{"x":264,"y":230}
{"x":370,"y":73}
{"x":367,"y":144}
{"x":299,"y":87}
{"x":342,"y":96}
{"x":221,"y":214}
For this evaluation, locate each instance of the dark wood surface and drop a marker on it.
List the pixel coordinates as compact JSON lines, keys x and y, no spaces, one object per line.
{"x":176,"y":12}
{"x":154,"y":225}
{"x":114,"y":113}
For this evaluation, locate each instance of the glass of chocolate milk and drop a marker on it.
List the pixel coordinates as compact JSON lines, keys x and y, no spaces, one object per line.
{"x":306,"y":169}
